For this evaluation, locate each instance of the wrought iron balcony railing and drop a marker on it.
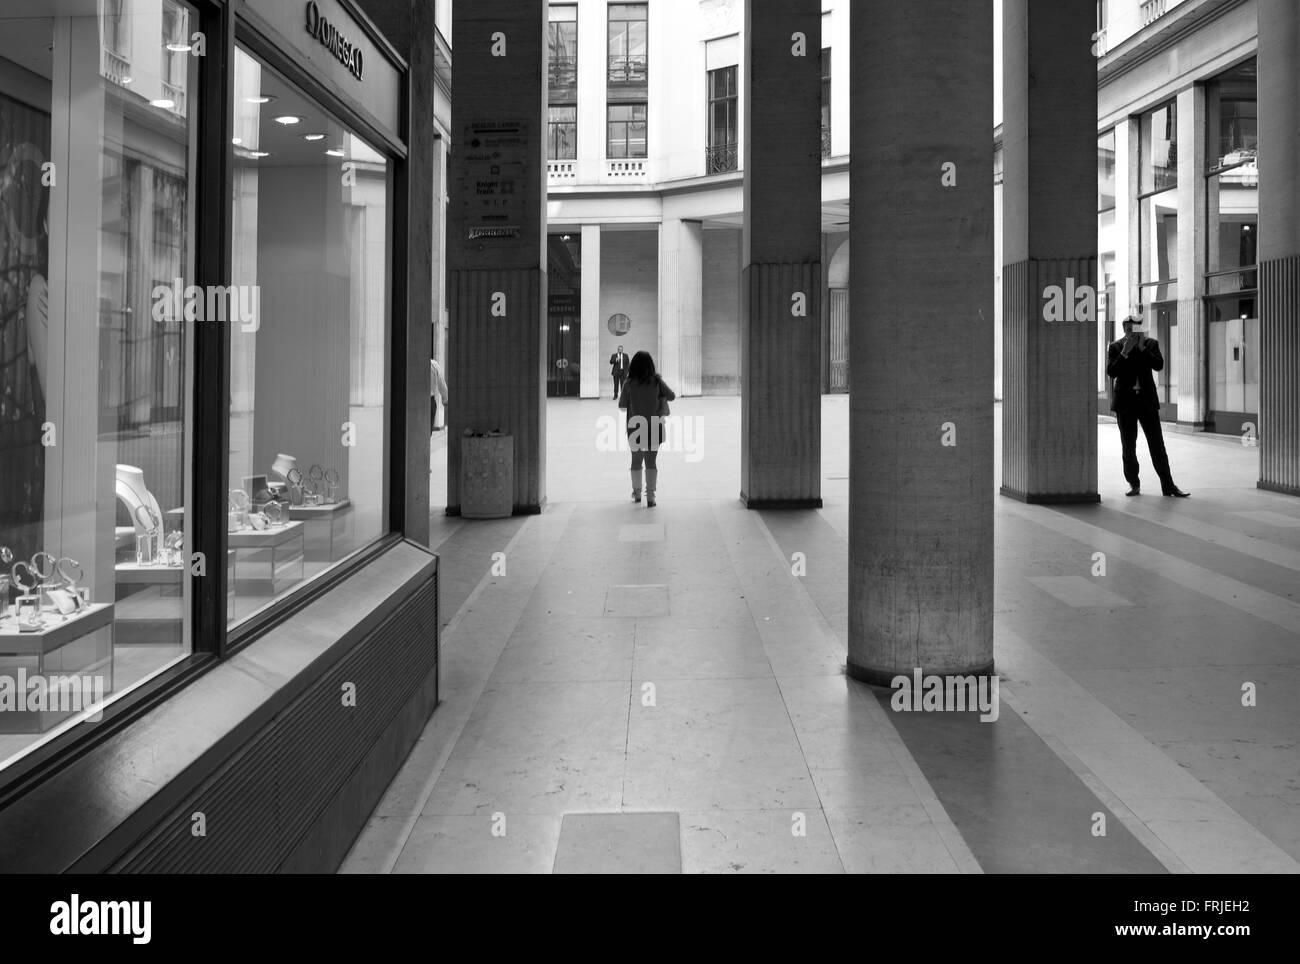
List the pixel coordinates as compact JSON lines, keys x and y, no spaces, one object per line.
{"x":628,"y":70}
{"x":721,"y":158}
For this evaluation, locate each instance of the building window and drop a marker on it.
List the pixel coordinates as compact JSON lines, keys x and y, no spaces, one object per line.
{"x":1158,"y":203}
{"x":308,"y":443}
{"x":1232,"y":234}
{"x":826,"y":102}
{"x":627,"y":130}
{"x":1107,"y":244}
{"x":562,"y":133}
{"x":721,"y":153}
{"x":96,"y":375}
{"x":628,"y":45}
{"x":562,"y":65}
{"x":113,"y":27}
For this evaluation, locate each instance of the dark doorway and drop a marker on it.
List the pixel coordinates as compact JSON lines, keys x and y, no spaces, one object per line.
{"x":564,"y":315}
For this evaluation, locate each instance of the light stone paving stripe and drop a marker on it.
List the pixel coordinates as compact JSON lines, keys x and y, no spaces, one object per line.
{"x":823,"y":635}
{"x":1231,"y":592}
{"x":1271,"y":518}
{"x":1079,"y":592}
{"x":1217,"y":535}
{"x":529,"y":552}
{"x":1213,"y":839}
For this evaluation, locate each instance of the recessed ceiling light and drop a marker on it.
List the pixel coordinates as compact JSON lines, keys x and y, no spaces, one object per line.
{"x":236,"y":141}
{"x":257,"y":154}
{"x":333,"y":152}
{"x":127,"y":80}
{"x":179,"y":47}
{"x":288,"y":119}
{"x":260,"y":99}
{"x":313,"y":137}
{"x":166,"y":103}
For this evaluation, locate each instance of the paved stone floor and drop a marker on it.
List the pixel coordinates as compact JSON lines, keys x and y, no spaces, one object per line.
{"x":653,"y":690}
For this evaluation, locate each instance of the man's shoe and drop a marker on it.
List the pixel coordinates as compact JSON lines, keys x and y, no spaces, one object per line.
{"x":650,"y":501}
{"x":1177,"y":493}
{"x":1134,"y":491}
{"x":636,"y":496}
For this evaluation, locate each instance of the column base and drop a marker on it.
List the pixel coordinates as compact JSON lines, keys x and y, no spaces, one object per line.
{"x":530,"y":509}
{"x":813,"y":502}
{"x":1278,"y":487}
{"x":1050,"y":498}
{"x":884,"y":678}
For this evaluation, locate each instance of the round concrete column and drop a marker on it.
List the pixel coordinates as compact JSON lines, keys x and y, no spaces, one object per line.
{"x":921,"y":342}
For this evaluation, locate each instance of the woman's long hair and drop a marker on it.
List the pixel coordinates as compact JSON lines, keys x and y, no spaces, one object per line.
{"x":642,"y":368}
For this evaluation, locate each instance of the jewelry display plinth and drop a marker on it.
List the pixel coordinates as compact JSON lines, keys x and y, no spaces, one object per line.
{"x":268,"y":561}
{"x":329,"y":529}
{"x":81,"y":645}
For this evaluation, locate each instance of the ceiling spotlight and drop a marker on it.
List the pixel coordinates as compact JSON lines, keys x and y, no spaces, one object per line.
{"x":288,"y":119}
{"x":236,"y":141}
{"x":313,"y":137}
{"x":257,"y":155}
{"x":260,"y":99}
{"x":166,"y":103}
{"x":564,"y":237}
{"x":564,"y":327}
{"x":127,"y":80}
{"x":334,"y":152}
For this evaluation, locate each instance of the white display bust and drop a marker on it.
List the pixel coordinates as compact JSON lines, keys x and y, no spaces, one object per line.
{"x":133,"y":493}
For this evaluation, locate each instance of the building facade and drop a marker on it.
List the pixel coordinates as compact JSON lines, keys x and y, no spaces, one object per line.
{"x":645,"y":191}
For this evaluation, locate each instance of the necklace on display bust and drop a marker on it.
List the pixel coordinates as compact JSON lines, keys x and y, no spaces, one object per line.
{"x":132,"y":490}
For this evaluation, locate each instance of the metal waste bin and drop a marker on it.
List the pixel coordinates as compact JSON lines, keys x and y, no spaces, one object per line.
{"x":487,"y":476}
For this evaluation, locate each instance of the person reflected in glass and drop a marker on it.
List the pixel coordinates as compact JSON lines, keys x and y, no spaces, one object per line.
{"x":645,"y":397}
{"x":1130,"y":361}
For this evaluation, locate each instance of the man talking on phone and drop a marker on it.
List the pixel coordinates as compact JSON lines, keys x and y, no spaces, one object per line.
{"x":1130,"y":362}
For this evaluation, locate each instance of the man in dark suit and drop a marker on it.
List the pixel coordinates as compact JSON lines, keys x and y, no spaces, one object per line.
{"x":618,"y":364}
{"x":1130,"y":362}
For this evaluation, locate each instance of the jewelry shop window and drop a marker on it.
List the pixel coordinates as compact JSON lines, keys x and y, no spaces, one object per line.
{"x":97,"y":219}
{"x":308,"y":428}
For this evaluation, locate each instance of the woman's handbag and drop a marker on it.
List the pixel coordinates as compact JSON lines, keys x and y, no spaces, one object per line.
{"x":663,"y":402}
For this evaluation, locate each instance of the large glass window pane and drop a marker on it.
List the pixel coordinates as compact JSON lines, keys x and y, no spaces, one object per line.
{"x":97,"y":195}
{"x":1158,"y":150}
{"x":562,"y":142}
{"x":1106,"y":171}
{"x":627,"y":43}
{"x":308,"y":445}
{"x":1158,"y":222}
{"x":562,"y":64}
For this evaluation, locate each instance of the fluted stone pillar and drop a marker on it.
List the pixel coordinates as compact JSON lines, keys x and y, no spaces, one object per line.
{"x":1049,"y":243}
{"x":921,"y":341}
{"x":780,"y":336}
{"x":595,"y":370}
{"x":496,"y":239}
{"x":1279,"y":246}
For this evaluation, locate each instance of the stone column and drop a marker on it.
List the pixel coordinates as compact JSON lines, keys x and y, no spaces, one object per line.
{"x":1189,"y":364}
{"x":1279,"y":247}
{"x":780,"y":337}
{"x":1049,"y":297}
{"x":593,"y":366}
{"x":496,"y":238}
{"x":681,"y":303}
{"x":921,"y":406}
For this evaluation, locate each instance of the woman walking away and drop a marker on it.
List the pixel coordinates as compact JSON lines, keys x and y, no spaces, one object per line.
{"x":645,"y":397}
